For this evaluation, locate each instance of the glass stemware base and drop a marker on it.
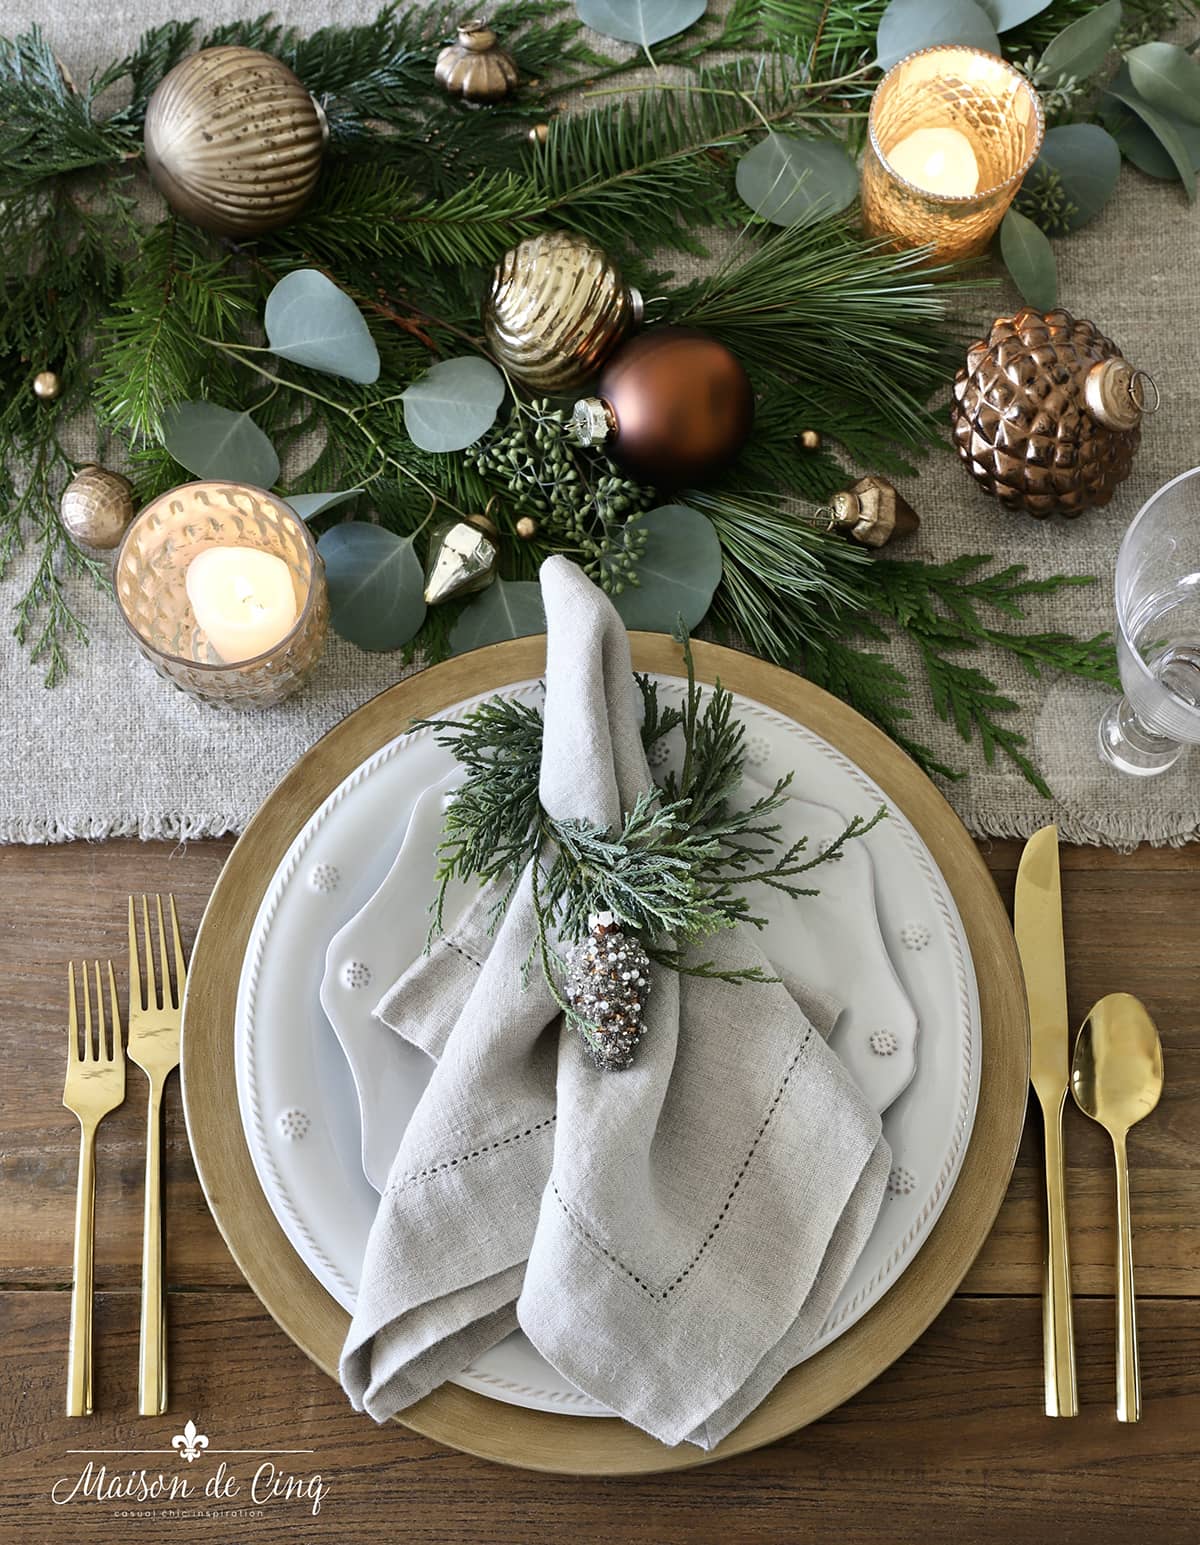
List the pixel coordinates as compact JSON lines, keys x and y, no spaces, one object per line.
{"x":1129,"y":746}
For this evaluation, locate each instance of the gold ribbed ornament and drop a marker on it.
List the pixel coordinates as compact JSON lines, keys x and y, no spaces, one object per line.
{"x":234,"y":141}
{"x":557,"y":309}
{"x":96,"y":507}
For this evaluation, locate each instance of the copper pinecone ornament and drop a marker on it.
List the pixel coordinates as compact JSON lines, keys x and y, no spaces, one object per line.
{"x":1047,"y":413}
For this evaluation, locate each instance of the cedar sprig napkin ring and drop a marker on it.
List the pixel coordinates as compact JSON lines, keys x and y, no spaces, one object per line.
{"x":650,"y":891}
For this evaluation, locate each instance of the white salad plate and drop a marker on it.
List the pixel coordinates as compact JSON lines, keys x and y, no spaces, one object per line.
{"x":347,"y":911}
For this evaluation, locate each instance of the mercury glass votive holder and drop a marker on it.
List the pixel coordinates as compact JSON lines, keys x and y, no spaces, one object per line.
{"x":983,"y":99}
{"x":150,"y":579}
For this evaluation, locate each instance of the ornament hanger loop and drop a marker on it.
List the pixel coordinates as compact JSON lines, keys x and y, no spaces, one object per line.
{"x":1138,"y":382}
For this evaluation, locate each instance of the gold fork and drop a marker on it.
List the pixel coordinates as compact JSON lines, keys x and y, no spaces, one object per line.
{"x":154,"y":1021}
{"x":95,"y":1085}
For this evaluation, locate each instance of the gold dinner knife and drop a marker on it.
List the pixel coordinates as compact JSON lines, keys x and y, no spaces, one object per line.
{"x":1037,"y":923}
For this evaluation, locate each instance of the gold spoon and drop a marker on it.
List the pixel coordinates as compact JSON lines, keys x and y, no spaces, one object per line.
{"x":1117,"y":1078}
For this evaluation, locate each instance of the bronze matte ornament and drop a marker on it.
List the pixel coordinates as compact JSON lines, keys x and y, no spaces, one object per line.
{"x":234,"y":141}
{"x":1047,"y":413}
{"x":672,"y":408}
{"x":475,"y":67}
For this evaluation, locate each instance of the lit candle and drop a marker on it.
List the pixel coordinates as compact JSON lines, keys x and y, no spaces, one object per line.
{"x":938,"y":160}
{"x":951,"y":132}
{"x":242,"y":598}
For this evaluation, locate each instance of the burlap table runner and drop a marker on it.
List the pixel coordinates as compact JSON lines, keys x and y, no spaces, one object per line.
{"x":115,"y":751}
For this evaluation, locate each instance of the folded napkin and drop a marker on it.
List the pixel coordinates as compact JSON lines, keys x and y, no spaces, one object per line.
{"x":670,"y":1237}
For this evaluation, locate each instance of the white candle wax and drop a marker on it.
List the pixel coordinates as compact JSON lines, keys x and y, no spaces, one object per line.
{"x":242,"y":598}
{"x":937,"y":160}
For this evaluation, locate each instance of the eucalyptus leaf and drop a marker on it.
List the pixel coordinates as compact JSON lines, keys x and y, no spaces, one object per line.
{"x":311,"y":322}
{"x":907,"y":25}
{"x":1168,"y":77}
{"x":1080,"y":49}
{"x":1006,"y":14}
{"x":791,"y":181}
{"x":1029,"y":259}
{"x":677,"y":573}
{"x":453,"y":403}
{"x":1141,"y":146}
{"x":1088,"y":162}
{"x":506,"y":609}
{"x":308,"y":505}
{"x":216,"y":442}
{"x":1160,"y":125}
{"x":643,"y":22}
{"x":375,"y":585}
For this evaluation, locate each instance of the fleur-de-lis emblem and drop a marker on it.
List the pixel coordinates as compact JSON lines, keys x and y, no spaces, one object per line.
{"x":189,"y":1442}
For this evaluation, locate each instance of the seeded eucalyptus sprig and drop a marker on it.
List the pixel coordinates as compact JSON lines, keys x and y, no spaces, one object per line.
{"x":576,"y":496}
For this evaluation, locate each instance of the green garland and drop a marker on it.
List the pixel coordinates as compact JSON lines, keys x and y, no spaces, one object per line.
{"x":418,"y":198}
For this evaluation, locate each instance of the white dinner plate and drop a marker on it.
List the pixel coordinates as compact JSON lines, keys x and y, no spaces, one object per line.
{"x":298,"y":1097}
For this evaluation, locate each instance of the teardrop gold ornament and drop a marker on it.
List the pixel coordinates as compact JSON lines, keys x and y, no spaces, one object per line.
{"x":872,"y":512}
{"x":234,"y":141}
{"x":475,"y":67}
{"x":557,"y":309}
{"x":96,"y":507}
{"x":461,"y":560}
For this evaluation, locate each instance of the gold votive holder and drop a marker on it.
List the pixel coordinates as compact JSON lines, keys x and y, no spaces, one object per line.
{"x":150,"y":580}
{"x":986,"y":101}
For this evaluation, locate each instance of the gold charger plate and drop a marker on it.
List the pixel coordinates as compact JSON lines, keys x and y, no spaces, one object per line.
{"x":461,"y":1418}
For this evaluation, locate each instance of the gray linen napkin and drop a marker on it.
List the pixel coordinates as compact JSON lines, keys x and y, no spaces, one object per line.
{"x":687,"y":1222}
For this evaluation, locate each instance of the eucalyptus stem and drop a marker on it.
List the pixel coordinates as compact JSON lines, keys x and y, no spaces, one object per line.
{"x":238,"y":353}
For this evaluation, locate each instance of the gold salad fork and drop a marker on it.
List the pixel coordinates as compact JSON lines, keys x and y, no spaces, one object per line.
{"x":95,"y":1085}
{"x":154,"y":1021}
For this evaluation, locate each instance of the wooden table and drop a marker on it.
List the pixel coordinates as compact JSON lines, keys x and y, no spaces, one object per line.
{"x":949,"y":1444}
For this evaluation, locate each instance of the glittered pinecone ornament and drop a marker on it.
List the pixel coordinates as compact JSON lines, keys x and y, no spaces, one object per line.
{"x":475,"y":67}
{"x":608,"y":981}
{"x":1047,"y":413}
{"x":557,"y":308}
{"x":872,"y":512}
{"x":673,"y":407}
{"x":461,"y":559}
{"x":234,"y":141}
{"x":96,"y":507}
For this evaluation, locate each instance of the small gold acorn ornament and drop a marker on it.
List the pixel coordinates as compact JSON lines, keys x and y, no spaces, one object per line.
{"x":557,"y":309}
{"x":461,"y":559}
{"x":475,"y":67}
{"x":1047,"y":413}
{"x":234,"y":141}
{"x":96,"y":507}
{"x":872,"y":512}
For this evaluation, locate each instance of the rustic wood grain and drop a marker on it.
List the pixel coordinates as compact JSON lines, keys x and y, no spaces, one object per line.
{"x":947,"y":1445}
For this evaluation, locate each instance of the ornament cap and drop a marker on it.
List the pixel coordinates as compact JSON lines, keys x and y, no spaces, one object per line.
{"x":1114,"y":393}
{"x":476,"y":35}
{"x":592,"y":421}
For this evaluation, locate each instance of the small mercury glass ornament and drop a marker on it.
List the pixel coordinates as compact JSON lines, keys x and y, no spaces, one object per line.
{"x":872,"y":512}
{"x":475,"y":67}
{"x":607,"y":983}
{"x":462,"y":558}
{"x":97,"y":505}
{"x":46,"y":385}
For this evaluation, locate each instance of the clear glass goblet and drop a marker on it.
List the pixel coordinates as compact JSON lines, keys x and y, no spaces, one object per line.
{"x":1158,"y":634}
